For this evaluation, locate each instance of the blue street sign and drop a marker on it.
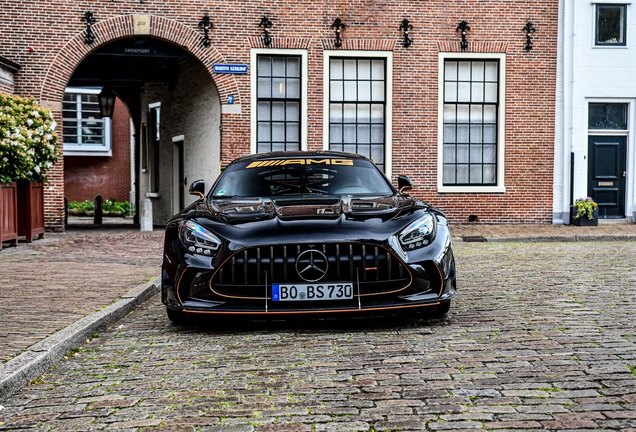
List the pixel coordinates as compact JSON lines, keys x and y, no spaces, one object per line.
{"x":230,"y":68}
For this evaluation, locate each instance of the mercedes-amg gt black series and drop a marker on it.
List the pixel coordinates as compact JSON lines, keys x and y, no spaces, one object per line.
{"x":306,"y":234}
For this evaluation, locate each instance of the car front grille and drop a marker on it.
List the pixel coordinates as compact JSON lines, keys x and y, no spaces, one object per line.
{"x":247,"y":272}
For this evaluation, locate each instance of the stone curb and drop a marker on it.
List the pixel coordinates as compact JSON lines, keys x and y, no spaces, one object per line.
{"x":548,"y":239}
{"x":34,"y":362}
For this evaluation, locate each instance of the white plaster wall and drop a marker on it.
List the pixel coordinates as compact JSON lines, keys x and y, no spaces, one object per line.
{"x":587,"y":73}
{"x":192,"y":109}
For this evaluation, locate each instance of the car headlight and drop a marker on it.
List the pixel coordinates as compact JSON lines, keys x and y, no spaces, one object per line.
{"x":197,"y":239}
{"x":419,"y":233}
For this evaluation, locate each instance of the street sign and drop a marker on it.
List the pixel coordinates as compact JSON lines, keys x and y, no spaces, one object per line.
{"x":230,"y":68}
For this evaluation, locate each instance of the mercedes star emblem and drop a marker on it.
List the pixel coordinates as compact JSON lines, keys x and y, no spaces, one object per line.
{"x":312,"y":265}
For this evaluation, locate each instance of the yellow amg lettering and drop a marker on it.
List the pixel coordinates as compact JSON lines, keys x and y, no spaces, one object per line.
{"x":294,"y":162}
{"x":315,"y":161}
{"x":341,"y":162}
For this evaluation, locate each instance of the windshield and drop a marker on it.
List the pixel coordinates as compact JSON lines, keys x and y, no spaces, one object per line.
{"x":275,"y":177}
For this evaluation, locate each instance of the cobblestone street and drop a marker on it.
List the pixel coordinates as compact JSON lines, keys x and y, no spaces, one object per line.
{"x":542,"y":337}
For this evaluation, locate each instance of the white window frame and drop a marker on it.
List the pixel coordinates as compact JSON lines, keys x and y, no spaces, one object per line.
{"x":388,"y":126}
{"x":254,"y":53}
{"x":105,"y":149}
{"x":501,"y":125}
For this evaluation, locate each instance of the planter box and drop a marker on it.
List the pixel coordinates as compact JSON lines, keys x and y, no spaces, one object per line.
{"x":30,"y":210}
{"x":583,"y":220}
{"x":8,"y":213}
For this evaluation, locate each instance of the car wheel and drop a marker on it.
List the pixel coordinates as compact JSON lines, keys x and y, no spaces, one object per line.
{"x":177,"y":317}
{"x":442,"y":310}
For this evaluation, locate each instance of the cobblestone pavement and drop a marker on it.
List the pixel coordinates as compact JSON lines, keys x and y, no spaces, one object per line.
{"x":542,"y":337}
{"x":50,"y":283}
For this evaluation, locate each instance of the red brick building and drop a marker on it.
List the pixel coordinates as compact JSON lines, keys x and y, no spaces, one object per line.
{"x":466,"y":112}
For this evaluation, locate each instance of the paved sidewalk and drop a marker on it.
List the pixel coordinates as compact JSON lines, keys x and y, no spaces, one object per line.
{"x":66,"y":278}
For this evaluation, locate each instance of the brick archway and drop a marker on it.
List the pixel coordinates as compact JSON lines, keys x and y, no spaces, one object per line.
{"x":71,"y":55}
{"x":109,"y":30}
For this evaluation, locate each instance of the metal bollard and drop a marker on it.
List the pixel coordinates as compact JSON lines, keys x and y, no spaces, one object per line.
{"x":97,"y":217}
{"x":145,"y":221}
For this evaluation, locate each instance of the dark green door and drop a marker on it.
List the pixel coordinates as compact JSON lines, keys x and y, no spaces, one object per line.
{"x":606,"y":174}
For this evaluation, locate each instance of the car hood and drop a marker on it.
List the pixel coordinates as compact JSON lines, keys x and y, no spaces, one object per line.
{"x":308,"y":218}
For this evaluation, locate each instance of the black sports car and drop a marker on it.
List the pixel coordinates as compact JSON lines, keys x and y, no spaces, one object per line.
{"x":304,"y":233}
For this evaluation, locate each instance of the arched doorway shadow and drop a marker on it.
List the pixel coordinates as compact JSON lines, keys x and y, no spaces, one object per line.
{"x":169,"y":78}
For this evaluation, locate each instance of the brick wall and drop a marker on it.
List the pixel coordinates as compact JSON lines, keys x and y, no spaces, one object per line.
{"x":87,"y":176}
{"x":495,"y":27}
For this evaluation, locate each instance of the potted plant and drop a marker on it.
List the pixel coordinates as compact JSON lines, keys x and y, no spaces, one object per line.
{"x":28,"y":149}
{"x":584,"y":212}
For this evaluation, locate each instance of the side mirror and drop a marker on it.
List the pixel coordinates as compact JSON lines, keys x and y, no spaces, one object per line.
{"x":198,"y":188}
{"x":404,"y":183}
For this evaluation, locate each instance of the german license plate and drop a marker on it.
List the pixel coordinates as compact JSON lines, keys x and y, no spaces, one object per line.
{"x":304,"y":292}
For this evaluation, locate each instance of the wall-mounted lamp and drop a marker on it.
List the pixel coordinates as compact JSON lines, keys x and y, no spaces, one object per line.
{"x":338,"y":26}
{"x":205,"y":24}
{"x":89,"y":36}
{"x":529,"y":29}
{"x":406,"y":27}
{"x":266,"y":24}
{"x":464,"y":29}
{"x":106,"y":101}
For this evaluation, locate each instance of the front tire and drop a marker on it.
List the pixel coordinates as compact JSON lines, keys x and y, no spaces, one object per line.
{"x":442,"y":310}
{"x":177,"y":317}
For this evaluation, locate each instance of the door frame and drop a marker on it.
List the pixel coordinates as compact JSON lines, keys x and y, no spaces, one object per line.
{"x":630,"y":184}
{"x":179,"y":178}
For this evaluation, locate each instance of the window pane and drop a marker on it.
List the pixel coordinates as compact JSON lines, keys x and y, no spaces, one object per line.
{"x":449,"y":153}
{"x":450,"y":71}
{"x":377,"y":153}
{"x":263,"y":111}
{"x":463,"y":71}
{"x":475,"y":154}
{"x":377,"y":71}
{"x":462,"y":174}
{"x":364,"y":69}
{"x":349,"y":133}
{"x":449,"y":113}
{"x":477,"y":94}
{"x":278,"y":88}
{"x":364,"y":113}
{"x":364,"y":134}
{"x":475,"y":113}
{"x":462,"y":153}
{"x":475,"y":134}
{"x":264,"y":88}
{"x":450,"y":92}
{"x":350,"y":69}
{"x":478,"y":71}
{"x":607,"y":116}
{"x":490,"y":92}
{"x":489,"y":154}
{"x":264,"y":66}
{"x":490,"y":114}
{"x":263,"y":132}
{"x":335,"y":133}
{"x":292,"y":112}
{"x":278,"y":66}
{"x":490,"y":134}
{"x":449,"y":176}
{"x":462,"y":133}
{"x":350,"y":91}
{"x":337,"y":91}
{"x":489,"y":174}
{"x":377,"y":91}
{"x":293,"y":133}
{"x":336,"y":69}
{"x":293,"y":67}
{"x":364,"y":90}
{"x":491,"y":71}
{"x":449,"y":134}
{"x":278,"y":132}
{"x":349,"y":113}
{"x":293,"y":88}
{"x":377,"y":113}
{"x":475,"y":174}
{"x":377,"y":134}
{"x":278,"y":111}
{"x":609,"y":24}
{"x":335,"y":113}
{"x":463,"y":114}
{"x":463,"y":92}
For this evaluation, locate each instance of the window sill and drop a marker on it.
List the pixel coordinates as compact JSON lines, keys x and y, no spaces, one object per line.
{"x":153,"y":195}
{"x":471,"y":189}
{"x":101,"y":153}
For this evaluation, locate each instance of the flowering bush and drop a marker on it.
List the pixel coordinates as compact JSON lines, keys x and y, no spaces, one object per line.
{"x":28,"y":141}
{"x":585,"y":206}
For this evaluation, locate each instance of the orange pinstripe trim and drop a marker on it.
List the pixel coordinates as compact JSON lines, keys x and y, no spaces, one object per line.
{"x":309,"y":312}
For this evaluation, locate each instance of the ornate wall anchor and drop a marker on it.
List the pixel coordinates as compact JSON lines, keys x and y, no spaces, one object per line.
{"x":339,"y":26}
{"x":205,"y":24}
{"x":89,"y":36}
{"x":406,"y":27}
{"x":267,"y":25}
{"x":529,"y":29}
{"x":464,"y":29}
